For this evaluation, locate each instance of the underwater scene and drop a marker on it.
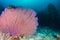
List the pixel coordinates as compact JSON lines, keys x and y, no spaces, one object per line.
{"x":29,"y":19}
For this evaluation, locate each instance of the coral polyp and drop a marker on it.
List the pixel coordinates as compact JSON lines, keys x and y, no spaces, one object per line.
{"x":18,"y":21}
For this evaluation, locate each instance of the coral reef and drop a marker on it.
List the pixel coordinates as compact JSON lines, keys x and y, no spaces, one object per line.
{"x":37,"y":36}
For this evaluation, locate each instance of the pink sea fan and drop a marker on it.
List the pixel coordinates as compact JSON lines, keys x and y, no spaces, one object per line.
{"x":18,"y":21}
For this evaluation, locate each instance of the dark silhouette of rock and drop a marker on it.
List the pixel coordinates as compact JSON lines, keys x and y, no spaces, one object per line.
{"x":48,"y":17}
{"x":53,"y":13}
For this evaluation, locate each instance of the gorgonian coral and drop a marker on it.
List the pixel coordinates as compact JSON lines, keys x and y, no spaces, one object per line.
{"x":18,"y":21}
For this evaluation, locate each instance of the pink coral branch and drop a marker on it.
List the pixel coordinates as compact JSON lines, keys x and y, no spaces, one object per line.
{"x":18,"y":21}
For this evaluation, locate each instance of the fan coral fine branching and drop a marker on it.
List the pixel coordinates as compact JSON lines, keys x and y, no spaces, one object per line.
{"x":18,"y":21}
